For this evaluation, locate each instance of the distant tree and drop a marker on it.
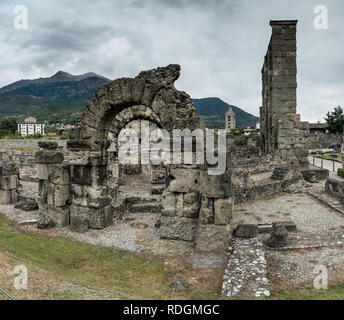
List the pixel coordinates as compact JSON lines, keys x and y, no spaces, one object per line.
{"x":4,"y":134}
{"x":335,"y":120}
{"x":7,"y":124}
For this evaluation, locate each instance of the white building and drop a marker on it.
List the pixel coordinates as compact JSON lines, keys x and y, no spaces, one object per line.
{"x":30,"y":126}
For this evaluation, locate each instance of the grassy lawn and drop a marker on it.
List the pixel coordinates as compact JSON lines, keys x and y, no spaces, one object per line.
{"x":309,"y":293}
{"x":113,"y":269}
{"x":25,"y":149}
{"x":96,"y":266}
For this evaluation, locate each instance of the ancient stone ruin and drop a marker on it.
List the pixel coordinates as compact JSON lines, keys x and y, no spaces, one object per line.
{"x":82,"y":193}
{"x":84,"y":189}
{"x":282,"y":132}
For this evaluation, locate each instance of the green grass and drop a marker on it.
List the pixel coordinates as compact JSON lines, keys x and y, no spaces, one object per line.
{"x":95,"y":265}
{"x":309,"y":293}
{"x":25,"y":149}
{"x":329,"y":156}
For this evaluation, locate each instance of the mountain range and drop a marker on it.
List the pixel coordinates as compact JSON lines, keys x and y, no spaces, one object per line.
{"x":67,"y":93}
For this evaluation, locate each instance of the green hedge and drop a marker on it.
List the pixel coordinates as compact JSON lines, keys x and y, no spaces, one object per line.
{"x":341,"y":172}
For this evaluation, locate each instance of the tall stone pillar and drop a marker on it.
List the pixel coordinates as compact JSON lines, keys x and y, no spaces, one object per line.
{"x":90,"y":201}
{"x":54,"y":186}
{"x":283,"y":134}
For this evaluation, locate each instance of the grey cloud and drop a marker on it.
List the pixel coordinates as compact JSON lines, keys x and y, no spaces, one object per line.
{"x":219,"y":43}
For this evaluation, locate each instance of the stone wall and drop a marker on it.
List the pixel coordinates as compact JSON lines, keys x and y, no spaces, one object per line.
{"x":26,"y":143}
{"x":260,"y":177}
{"x":24,"y":162}
{"x":282,"y":131}
{"x":323,"y":140}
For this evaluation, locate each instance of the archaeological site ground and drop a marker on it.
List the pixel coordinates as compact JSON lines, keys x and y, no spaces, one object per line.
{"x":258,"y":220}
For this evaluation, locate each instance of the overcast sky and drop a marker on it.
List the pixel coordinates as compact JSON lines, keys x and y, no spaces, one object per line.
{"x":220,"y":45}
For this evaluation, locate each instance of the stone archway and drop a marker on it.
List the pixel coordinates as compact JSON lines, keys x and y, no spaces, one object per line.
{"x":152,"y":96}
{"x":195,"y":206}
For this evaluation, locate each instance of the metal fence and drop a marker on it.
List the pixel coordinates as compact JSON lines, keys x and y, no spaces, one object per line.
{"x":331,"y":165}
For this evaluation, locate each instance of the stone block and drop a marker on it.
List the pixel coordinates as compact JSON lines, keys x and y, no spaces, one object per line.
{"x":246,"y":231}
{"x":278,"y":238}
{"x":158,"y":188}
{"x":178,"y":228}
{"x":42,"y":171}
{"x":88,"y":175}
{"x":8,"y":196}
{"x":59,"y":215}
{"x":223,"y":211}
{"x":101,"y":218}
{"x":48,"y":145}
{"x":27,"y":205}
{"x":168,"y":203}
{"x":81,"y":175}
{"x":185,"y":180}
{"x":289,"y":225}
{"x":58,"y":195}
{"x":215,"y":186}
{"x":191,"y":205}
{"x":86,"y":196}
{"x":8,"y":170}
{"x":264,"y":228}
{"x":212,"y":238}
{"x":83,"y":218}
{"x":49,"y":157}
{"x":206,"y":216}
{"x":59,"y":174}
{"x":79,"y":219}
{"x":8,"y":182}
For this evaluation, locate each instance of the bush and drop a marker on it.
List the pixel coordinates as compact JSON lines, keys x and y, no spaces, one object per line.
{"x":35,"y":136}
{"x":341,"y":172}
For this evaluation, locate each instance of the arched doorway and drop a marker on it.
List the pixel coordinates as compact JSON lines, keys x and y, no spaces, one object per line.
{"x":195,"y":206}
{"x":150,"y":96}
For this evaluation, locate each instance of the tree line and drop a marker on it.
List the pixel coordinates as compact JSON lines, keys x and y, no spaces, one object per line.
{"x":335,"y":120}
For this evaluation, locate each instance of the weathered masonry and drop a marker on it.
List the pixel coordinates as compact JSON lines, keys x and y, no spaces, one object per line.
{"x":82,"y":193}
{"x":282,"y":132}
{"x":8,"y":184}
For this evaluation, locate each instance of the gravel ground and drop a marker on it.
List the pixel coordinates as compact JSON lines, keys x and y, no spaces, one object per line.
{"x":17,"y":214}
{"x":318,"y":226}
{"x":126,"y":235}
{"x":309,"y":215}
{"x":295,"y":268}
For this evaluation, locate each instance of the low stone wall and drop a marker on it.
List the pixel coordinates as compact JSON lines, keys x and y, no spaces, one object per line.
{"x":323,"y":140}
{"x":256,"y":178}
{"x":335,"y":186}
{"x":26,"y":143}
